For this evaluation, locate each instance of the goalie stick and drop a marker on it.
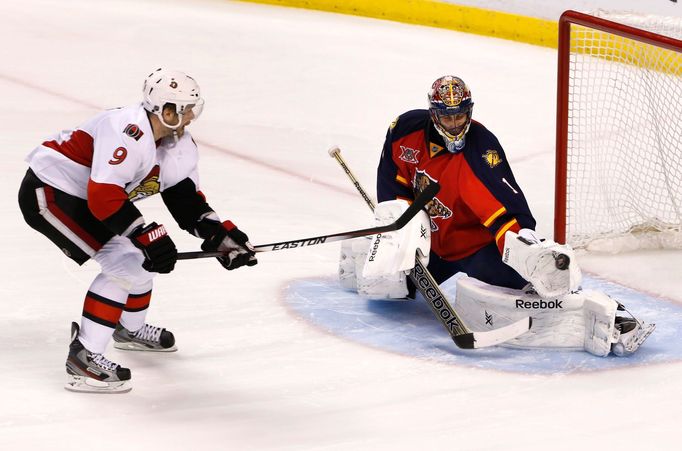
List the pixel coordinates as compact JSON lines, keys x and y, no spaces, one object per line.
{"x":419,"y":203}
{"x":439,"y":304}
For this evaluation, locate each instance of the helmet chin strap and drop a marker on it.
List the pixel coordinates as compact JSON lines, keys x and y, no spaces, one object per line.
{"x":174,"y":128}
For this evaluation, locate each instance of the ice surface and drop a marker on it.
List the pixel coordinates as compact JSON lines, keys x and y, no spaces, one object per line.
{"x":281,"y":87}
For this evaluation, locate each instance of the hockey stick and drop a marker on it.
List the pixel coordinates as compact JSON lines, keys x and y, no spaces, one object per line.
{"x":427,"y":286}
{"x":419,"y":203}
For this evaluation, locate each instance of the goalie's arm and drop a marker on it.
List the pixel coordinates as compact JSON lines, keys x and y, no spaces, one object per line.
{"x":393,"y":180}
{"x":549,"y":266}
{"x":490,"y":190}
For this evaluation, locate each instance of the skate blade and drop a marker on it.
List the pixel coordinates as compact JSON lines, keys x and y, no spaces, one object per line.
{"x":83,"y":384}
{"x":633,"y":343}
{"x":636,"y":341}
{"x":130,"y":346}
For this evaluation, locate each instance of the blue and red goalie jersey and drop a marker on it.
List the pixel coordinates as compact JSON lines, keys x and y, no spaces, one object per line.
{"x":479,"y":199}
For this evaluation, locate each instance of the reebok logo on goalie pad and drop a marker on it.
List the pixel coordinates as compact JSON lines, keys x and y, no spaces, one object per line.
{"x":541,"y":304}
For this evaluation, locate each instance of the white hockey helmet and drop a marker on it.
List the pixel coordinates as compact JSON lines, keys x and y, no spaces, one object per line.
{"x":171,"y":86}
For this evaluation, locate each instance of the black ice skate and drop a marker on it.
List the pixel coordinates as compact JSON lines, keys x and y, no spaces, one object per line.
{"x":91,"y":372}
{"x":149,"y":338}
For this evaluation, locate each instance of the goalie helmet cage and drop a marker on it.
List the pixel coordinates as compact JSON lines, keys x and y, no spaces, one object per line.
{"x":618,"y":180}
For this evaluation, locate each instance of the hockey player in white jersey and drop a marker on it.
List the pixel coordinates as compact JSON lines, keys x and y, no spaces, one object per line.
{"x":80,"y":190}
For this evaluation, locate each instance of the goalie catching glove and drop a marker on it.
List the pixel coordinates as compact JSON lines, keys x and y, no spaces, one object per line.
{"x":549,"y":266}
{"x":227,"y":238}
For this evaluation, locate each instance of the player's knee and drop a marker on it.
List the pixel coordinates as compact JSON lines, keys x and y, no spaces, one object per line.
{"x":122,"y":262}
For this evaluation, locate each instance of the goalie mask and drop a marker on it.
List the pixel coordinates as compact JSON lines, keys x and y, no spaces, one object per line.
{"x":163,"y":87}
{"x":450,"y":106}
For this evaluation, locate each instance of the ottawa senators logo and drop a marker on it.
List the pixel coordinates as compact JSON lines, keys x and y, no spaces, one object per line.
{"x":408,"y":155}
{"x":492,"y":158}
{"x":133,"y":131}
{"x":435,"y":208}
{"x":149,"y":186}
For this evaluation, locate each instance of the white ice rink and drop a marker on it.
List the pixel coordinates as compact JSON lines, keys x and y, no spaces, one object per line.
{"x":282,"y":86}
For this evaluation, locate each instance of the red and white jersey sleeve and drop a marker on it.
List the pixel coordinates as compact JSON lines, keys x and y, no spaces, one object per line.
{"x":112,"y":161}
{"x":102,"y":160}
{"x":114,"y":147}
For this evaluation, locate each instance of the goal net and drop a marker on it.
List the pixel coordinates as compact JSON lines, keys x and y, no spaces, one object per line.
{"x":619,"y":132}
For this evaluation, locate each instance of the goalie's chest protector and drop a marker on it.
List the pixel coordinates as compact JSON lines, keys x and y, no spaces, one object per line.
{"x":467,"y":213}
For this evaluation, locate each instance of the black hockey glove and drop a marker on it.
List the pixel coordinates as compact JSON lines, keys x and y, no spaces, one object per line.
{"x":234,"y":243}
{"x":157,"y":247}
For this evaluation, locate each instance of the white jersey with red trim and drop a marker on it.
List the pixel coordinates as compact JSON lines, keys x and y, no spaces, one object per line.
{"x":115,"y":148}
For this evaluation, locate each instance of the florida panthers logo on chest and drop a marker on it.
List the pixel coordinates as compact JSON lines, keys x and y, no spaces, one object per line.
{"x":409,"y":155}
{"x":435,"y":208}
{"x":149,"y":186}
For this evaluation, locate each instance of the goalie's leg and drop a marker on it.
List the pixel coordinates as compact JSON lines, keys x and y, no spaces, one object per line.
{"x":582,"y":320}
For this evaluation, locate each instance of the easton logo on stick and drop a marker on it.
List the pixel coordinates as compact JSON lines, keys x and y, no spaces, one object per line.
{"x":300,"y":243}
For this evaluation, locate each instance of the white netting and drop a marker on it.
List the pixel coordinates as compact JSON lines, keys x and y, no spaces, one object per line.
{"x":624,"y":139}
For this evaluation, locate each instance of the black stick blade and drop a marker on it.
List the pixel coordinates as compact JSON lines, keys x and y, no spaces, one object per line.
{"x":420,"y":202}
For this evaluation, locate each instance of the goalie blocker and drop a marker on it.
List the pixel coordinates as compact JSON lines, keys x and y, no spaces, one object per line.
{"x":377,"y":266}
{"x":581,"y":320}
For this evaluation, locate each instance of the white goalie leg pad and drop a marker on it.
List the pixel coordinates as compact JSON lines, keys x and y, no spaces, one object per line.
{"x":535,"y":260}
{"x":389,"y":286}
{"x":393,"y":252}
{"x":580,"y":320}
{"x":600,"y":327}
{"x":557,"y":323}
{"x":351,"y":263}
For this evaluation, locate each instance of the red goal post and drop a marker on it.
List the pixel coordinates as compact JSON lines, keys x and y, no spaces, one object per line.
{"x":619,"y":135}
